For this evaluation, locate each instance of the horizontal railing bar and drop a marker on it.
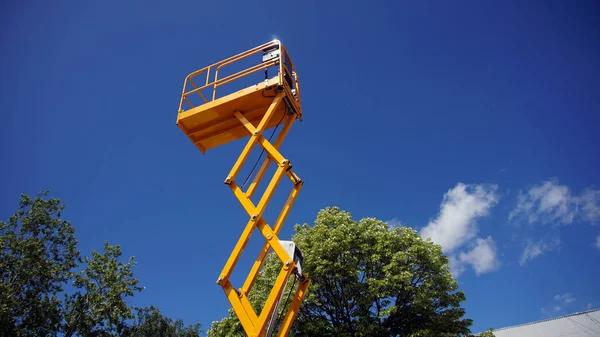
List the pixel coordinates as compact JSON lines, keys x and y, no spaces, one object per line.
{"x":246,"y":72}
{"x":251,"y":51}
{"x":283,"y":61}
{"x":228,"y":78}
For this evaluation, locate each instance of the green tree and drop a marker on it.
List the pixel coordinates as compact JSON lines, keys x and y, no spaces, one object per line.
{"x":488,"y":333}
{"x":98,"y":307}
{"x":367,"y":280}
{"x":151,"y":323}
{"x":39,"y":257}
{"x":37,"y":252}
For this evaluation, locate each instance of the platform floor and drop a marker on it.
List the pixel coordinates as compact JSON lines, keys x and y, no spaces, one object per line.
{"x":214,"y":123}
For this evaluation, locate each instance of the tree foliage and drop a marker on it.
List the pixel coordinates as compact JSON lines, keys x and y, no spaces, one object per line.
{"x":98,"y":306}
{"x":38,"y":251}
{"x":39,"y":258}
{"x":151,"y":323}
{"x":367,"y":280}
{"x":488,"y":333}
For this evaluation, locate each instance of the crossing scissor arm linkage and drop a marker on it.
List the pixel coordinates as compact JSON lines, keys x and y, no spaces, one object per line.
{"x":284,"y":106}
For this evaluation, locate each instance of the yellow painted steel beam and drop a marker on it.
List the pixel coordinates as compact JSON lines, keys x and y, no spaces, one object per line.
{"x":258,"y":327}
{"x":274,"y":296}
{"x":286,"y":325}
{"x":289,"y":120}
{"x":247,"y":318}
{"x":248,"y":112}
{"x":256,"y":135}
{"x":237,"y":252}
{"x":266,"y":247}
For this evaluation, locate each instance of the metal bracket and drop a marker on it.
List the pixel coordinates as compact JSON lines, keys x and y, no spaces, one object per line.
{"x":295,"y":255}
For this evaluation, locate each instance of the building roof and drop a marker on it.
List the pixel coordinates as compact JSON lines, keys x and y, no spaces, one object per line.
{"x":584,"y":324}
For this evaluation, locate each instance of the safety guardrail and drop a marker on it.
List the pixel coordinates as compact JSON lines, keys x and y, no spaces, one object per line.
{"x":287,"y":76}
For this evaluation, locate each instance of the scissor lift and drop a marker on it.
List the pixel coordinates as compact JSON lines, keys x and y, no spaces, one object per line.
{"x":215,"y":121}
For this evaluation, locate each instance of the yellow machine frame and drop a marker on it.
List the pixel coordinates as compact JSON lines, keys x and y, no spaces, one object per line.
{"x":249,"y":112}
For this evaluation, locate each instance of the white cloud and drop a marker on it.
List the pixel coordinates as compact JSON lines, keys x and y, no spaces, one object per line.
{"x":557,"y":305}
{"x":460,"y":209}
{"x":395,"y":223}
{"x":545,"y":313}
{"x":482,"y":257}
{"x":535,"y":249}
{"x":598,"y":241}
{"x":456,"y":266}
{"x":455,"y":228}
{"x":545,"y":203}
{"x":552,"y":203}
{"x":566,"y":298}
{"x":589,"y":205}
{"x":589,"y":306}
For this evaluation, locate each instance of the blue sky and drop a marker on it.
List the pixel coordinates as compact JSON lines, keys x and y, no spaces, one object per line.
{"x":474,"y":122}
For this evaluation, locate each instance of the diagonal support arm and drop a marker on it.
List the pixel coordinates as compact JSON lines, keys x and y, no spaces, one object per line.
{"x":255,"y":324}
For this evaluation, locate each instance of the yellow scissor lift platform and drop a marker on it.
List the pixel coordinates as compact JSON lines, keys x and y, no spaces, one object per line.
{"x":249,"y":112}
